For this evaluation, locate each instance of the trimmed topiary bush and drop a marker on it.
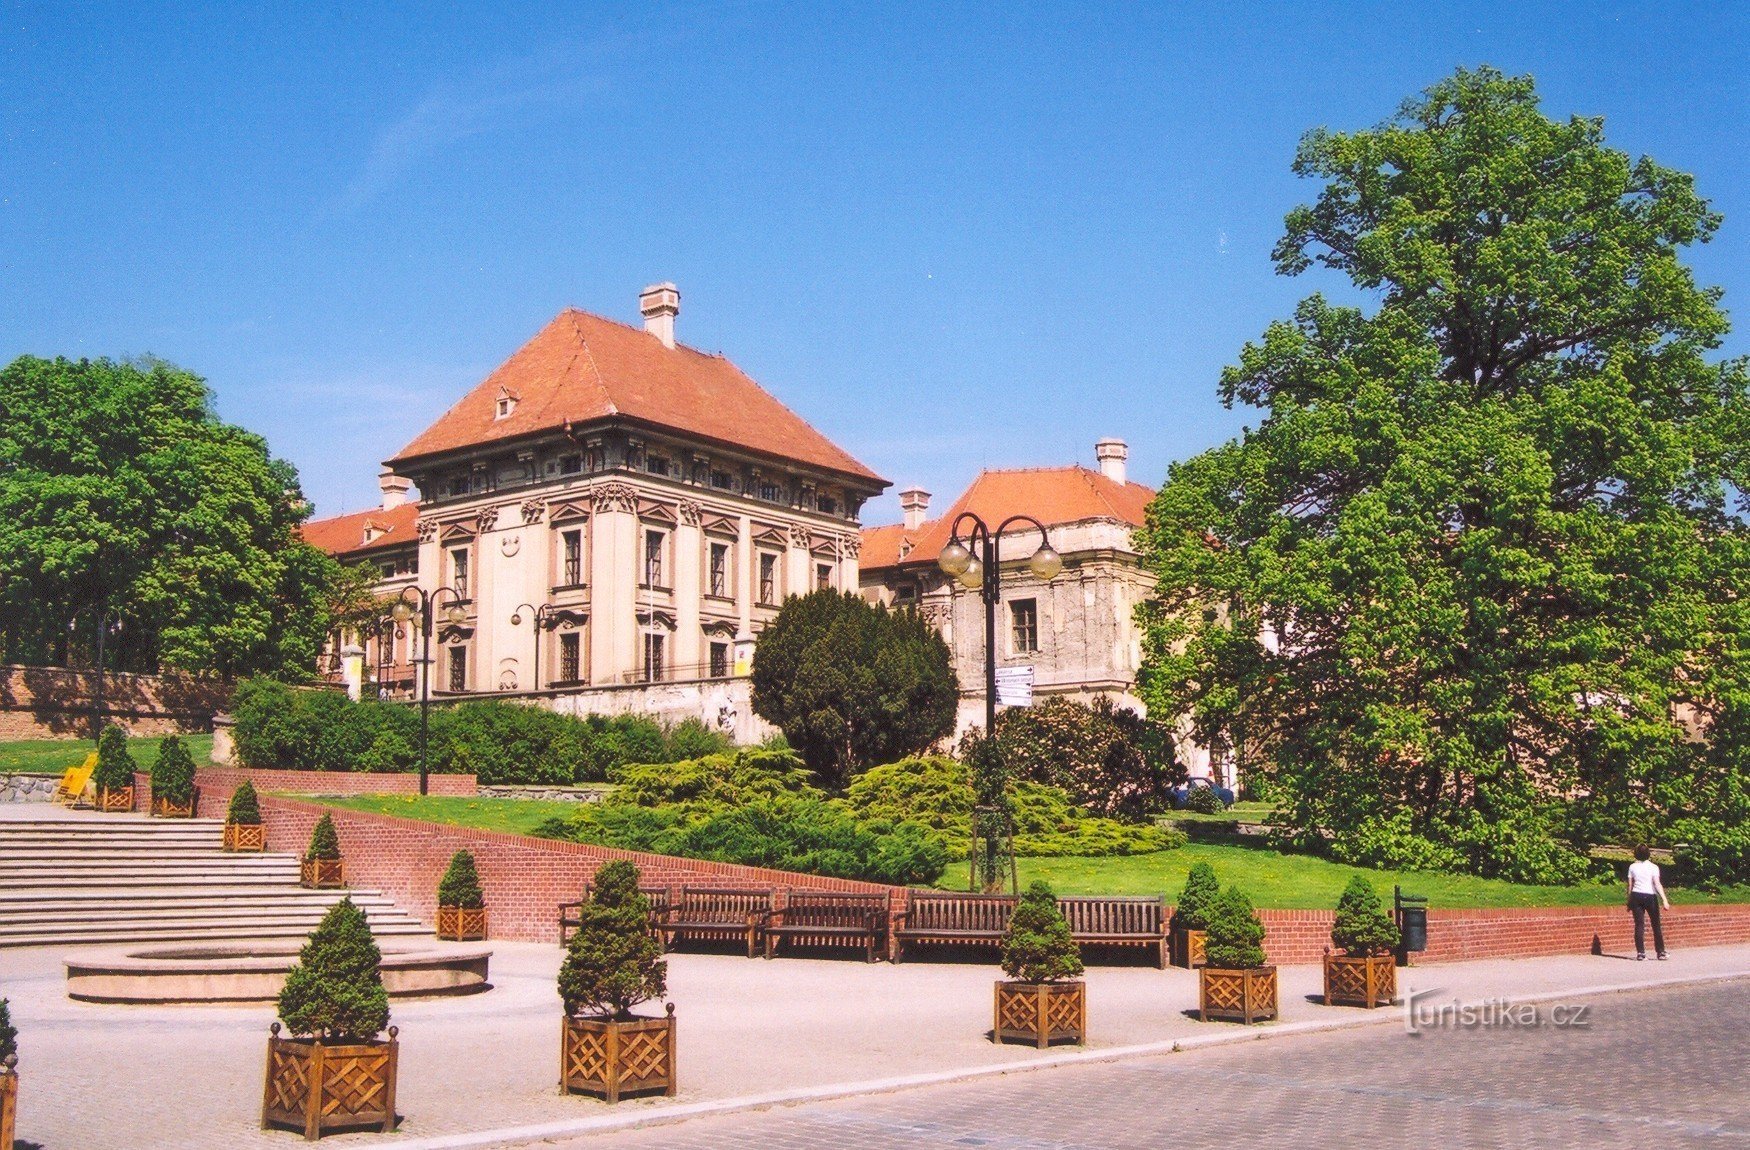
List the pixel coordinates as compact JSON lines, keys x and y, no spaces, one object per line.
{"x":335,"y":992}
{"x":612,"y":963}
{"x":1038,"y":946}
{"x":173,"y":773}
{"x":1362,"y":927}
{"x":1234,"y":937}
{"x":245,"y":809}
{"x":460,"y":885}
{"x":115,"y":766}
{"x":324,"y":841}
{"x":8,"y":1033}
{"x":1203,"y":801}
{"x":1201,"y":890}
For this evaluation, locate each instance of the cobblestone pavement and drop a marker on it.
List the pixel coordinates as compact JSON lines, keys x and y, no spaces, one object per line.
{"x":1654,"y":1068}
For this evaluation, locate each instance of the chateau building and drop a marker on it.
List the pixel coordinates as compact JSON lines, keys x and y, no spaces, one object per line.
{"x":615,"y":515}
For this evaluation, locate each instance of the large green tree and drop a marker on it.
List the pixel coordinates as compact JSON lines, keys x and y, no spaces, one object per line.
{"x":852,"y":684}
{"x":122,"y":496}
{"x":1473,"y":593}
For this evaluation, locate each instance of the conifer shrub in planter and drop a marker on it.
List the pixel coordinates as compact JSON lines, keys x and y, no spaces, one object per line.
{"x":1191,"y":915}
{"x":1043,"y":1000}
{"x":1366,"y":973}
{"x":612,"y":964}
{"x":461,"y":913}
{"x":1235,"y":984}
{"x":322,"y":867}
{"x":173,"y":790}
{"x":113,"y":780}
{"x":8,"y":1076}
{"x":243,"y":829}
{"x":334,"y":1073}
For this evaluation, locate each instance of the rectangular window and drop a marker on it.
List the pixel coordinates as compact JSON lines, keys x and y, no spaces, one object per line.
{"x":768,"y":579}
{"x":827,"y":505}
{"x":570,"y":645}
{"x":653,"y":559}
{"x":656,"y":464}
{"x":459,"y":571}
{"x":823,"y":576}
{"x":459,"y":485}
{"x":458,"y":668}
{"x":906,"y":593}
{"x":720,"y":569}
{"x":722,"y":481}
{"x":719,"y":660}
{"x":571,"y":569}
{"x":770,"y":493}
{"x":653,"y":656}
{"x":1024,"y":620}
{"x":570,"y":464}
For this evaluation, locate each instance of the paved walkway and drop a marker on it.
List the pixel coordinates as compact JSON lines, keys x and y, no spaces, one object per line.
{"x":96,"y":1077}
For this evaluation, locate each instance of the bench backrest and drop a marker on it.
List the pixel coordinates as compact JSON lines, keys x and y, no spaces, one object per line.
{"x":658,"y":895}
{"x":959,"y":912}
{"x":1112,"y":916}
{"x":717,"y":904}
{"x":813,"y":908}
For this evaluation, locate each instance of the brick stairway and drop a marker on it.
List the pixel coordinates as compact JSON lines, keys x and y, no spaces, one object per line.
{"x":79,"y":877}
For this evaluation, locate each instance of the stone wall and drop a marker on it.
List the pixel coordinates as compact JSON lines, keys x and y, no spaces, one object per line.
{"x":722,"y":704}
{"x":27,"y":788}
{"x":53,"y":702}
{"x":587,"y":793}
{"x":213,"y":785}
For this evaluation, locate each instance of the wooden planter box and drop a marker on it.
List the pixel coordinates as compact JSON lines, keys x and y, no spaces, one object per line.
{"x":116,"y":802}
{"x":245,"y":837}
{"x":316,"y":1087}
{"x":1237,"y":995}
{"x":1368,"y":980}
{"x":1187,"y":948}
{"x":461,"y":923}
{"x":9,"y":1101}
{"x":611,"y":1059}
{"x":1041,"y":1013}
{"x":321,"y":874}
{"x":165,"y":809}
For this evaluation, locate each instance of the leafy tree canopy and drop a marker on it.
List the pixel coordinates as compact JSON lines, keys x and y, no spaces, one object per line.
{"x":851,"y":684}
{"x":1472,"y":594}
{"x":122,"y":493}
{"x":1114,"y":761}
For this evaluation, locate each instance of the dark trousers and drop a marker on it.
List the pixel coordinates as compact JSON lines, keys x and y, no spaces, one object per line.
{"x":1643,"y":905}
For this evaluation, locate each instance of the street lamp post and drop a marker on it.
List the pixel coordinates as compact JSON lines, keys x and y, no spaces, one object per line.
{"x":540,"y":615}
{"x":420,"y":609}
{"x":108,"y":622}
{"x":977,"y":565}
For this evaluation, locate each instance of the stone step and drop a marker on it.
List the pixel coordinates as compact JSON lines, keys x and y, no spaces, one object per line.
{"x":98,"y":920}
{"x":90,"y":824}
{"x":131,"y":852}
{"x":135,"y":874}
{"x":228,"y":933}
{"x":87,"y":897}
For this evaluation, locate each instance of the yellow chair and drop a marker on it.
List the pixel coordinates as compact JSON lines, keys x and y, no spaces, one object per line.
{"x":75,"y":780}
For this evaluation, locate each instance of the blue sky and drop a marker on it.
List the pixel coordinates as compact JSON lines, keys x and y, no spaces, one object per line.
{"x":949,"y":236}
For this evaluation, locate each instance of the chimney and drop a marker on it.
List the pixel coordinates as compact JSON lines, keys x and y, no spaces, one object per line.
{"x":1112,"y":454}
{"x":660,"y":303}
{"x":915,"y":502}
{"x":394,"y":489}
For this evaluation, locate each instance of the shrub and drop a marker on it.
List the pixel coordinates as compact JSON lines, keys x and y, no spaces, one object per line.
{"x":324,"y":841}
{"x":115,"y":766}
{"x":1362,"y":927}
{"x":8,"y":1033}
{"x":1110,"y":760}
{"x":460,"y":885}
{"x":335,"y":992}
{"x":267,"y":731}
{"x":173,"y":772}
{"x":612,"y":963}
{"x":1038,"y":946}
{"x":692,"y":739}
{"x":1234,"y":937}
{"x":1203,"y":801}
{"x":1197,"y":898}
{"x":1712,"y":852}
{"x":713,"y":783}
{"x":244,"y":810}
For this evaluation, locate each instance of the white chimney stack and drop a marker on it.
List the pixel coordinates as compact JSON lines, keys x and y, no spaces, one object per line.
{"x":1112,"y":454}
{"x":660,"y":303}
{"x":915,"y":502}
{"x":394,"y":488}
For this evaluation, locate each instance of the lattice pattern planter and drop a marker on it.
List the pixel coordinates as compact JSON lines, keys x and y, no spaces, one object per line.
{"x":316,"y":1087}
{"x":245,"y":837}
{"x":1237,"y":995}
{"x":1188,"y":948}
{"x":1041,"y":1013}
{"x":321,"y":874}
{"x":1370,"y":980}
{"x":9,"y":1101}
{"x":461,"y":923}
{"x":165,"y":809}
{"x":612,"y":1059}
{"x":119,"y":801}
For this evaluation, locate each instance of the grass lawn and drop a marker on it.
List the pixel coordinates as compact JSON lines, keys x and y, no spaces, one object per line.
{"x":1241,"y":812}
{"x":52,"y":756}
{"x":515,"y":816}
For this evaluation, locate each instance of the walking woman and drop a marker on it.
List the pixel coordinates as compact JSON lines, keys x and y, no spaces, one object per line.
{"x":1646,"y":894}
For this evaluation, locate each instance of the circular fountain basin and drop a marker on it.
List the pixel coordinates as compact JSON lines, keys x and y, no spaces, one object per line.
{"x":255,"y":973}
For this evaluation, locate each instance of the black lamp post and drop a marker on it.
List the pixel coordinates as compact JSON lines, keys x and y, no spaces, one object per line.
{"x":108,"y":623}
{"x":419,"y":609}
{"x":977,"y":565}
{"x":540,"y":615}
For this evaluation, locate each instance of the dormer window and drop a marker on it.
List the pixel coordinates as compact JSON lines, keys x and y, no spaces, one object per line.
{"x":506,"y":403}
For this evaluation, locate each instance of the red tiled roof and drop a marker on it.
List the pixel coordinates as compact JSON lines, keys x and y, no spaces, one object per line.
{"x":1052,"y":495}
{"x":582,"y":367}
{"x":345,"y":534}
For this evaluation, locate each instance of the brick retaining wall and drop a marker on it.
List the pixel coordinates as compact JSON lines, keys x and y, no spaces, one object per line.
{"x":49,"y":702}
{"x":213,"y":785}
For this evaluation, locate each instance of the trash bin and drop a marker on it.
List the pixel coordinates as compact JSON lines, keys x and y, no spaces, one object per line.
{"x":1411,"y":912}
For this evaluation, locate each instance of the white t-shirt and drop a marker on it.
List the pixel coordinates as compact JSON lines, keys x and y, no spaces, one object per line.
{"x":1643,"y":877}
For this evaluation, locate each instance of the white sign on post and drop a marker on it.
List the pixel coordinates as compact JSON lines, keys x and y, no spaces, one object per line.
{"x":1015,"y":686}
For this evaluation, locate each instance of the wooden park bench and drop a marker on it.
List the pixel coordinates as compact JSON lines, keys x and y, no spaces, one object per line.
{"x":707,"y":912}
{"x":1118,"y":921}
{"x":571,"y":913}
{"x":827,"y":918}
{"x":946,"y":919}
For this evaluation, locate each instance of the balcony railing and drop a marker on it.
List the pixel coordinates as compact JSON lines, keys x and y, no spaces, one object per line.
{"x":678,"y":674}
